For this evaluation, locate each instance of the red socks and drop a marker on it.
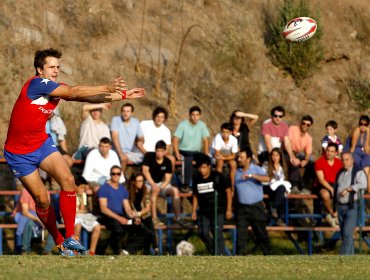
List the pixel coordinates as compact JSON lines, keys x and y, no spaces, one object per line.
{"x":48,"y":218}
{"x":67,"y":202}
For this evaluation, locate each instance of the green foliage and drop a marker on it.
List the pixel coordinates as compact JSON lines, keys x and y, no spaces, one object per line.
{"x":360,"y":93}
{"x":298,"y":59}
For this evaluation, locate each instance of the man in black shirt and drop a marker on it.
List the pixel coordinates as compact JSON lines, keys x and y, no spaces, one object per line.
{"x":157,"y":170}
{"x":207,"y":185}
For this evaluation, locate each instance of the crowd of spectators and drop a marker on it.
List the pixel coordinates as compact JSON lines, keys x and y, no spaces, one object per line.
{"x":125,"y":201}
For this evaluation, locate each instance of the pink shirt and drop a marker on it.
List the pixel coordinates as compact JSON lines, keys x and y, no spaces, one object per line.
{"x":299,"y":142}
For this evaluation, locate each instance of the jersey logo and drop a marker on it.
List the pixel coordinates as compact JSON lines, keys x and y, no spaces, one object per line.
{"x":45,"y":81}
{"x":43,"y":100}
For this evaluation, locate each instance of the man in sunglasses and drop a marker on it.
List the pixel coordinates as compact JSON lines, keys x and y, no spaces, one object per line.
{"x":275,"y":134}
{"x":301,"y":142}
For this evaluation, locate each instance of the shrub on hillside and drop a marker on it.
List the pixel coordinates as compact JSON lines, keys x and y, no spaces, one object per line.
{"x":360,"y":93}
{"x":298,"y":59}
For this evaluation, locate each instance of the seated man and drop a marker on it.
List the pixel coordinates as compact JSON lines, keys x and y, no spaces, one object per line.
{"x":99,"y":162}
{"x":327,"y":168}
{"x":224,"y":149}
{"x":29,"y":225}
{"x":157,"y":170}
{"x":127,"y":136}
{"x":116,"y":213}
{"x":206,"y":183}
{"x":92,"y":128}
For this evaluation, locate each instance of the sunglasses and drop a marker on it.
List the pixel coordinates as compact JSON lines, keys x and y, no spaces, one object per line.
{"x":115,"y":174}
{"x":363,"y":124}
{"x":306,"y":124}
{"x":278,"y":116}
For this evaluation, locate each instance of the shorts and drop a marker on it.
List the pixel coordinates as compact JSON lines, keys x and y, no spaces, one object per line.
{"x":24,"y":164}
{"x":88,"y":221}
{"x":162,"y":192}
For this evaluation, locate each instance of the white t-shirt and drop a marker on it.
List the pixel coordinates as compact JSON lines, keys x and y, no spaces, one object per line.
{"x":91,"y":132}
{"x":153,"y":134}
{"x":225,"y":148}
{"x":97,"y":168}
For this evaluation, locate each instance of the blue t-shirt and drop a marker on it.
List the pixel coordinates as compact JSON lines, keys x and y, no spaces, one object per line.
{"x":249,"y":190}
{"x":115,"y":197}
{"x":127,"y":133}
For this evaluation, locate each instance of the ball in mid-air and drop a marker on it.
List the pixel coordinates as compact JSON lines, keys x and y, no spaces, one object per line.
{"x":300,"y":29}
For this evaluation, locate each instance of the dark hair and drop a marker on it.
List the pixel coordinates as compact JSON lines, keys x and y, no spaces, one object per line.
{"x":115,"y":167}
{"x":331,"y":123}
{"x":105,"y":140}
{"x":279,"y":109}
{"x":127,"y":104}
{"x":161,"y":145}
{"x":159,"y":110}
{"x":195,"y":109}
{"x":307,"y":118}
{"x":41,"y":55}
{"x":201,"y":159}
{"x":332,"y":144}
{"x":248,"y":152}
{"x":233,"y":115}
{"x":227,"y":126}
{"x":132,"y":190}
{"x":271,"y":167}
{"x":364,"y":118}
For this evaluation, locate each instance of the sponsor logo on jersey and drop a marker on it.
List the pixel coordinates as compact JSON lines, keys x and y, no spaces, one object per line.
{"x":43,"y":100}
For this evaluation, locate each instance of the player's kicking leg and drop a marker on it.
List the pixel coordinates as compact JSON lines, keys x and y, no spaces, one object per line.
{"x":55,"y":165}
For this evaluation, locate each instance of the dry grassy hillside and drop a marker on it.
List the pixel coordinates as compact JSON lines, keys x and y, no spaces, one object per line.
{"x":206,"y":52}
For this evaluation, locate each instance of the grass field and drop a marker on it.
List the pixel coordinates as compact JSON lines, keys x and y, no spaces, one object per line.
{"x":199,"y":267}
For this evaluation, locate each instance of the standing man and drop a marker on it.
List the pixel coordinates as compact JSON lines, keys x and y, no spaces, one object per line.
{"x":250,"y":209}
{"x":206,"y":183}
{"x":301,"y":142}
{"x":190,"y":138}
{"x":127,"y":136}
{"x":350,"y":181}
{"x":327,"y":168}
{"x":28,"y":147}
{"x":275,"y":134}
{"x":157,"y":170}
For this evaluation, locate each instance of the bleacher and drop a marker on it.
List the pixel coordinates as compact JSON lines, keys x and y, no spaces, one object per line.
{"x":166,"y":231}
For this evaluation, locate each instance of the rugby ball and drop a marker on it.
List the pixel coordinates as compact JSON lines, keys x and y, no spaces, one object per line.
{"x":299,"y":29}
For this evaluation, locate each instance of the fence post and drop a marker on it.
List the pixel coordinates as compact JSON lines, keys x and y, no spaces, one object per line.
{"x":216,"y":223}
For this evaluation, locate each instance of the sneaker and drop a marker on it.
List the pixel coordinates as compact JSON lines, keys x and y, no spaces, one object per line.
{"x":182,"y":222}
{"x":185,"y":189}
{"x":65,"y":252}
{"x":295,"y":190}
{"x":74,"y":244}
{"x":124,"y":253}
{"x":305,"y":191}
{"x":331,"y":220}
{"x":157,"y":222}
{"x":280,"y":222}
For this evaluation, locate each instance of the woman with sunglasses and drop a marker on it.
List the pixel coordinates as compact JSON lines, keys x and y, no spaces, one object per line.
{"x":139,"y":199}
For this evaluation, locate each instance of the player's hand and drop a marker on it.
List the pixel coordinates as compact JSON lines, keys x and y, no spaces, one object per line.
{"x":135,"y":93}
{"x":194,"y":216}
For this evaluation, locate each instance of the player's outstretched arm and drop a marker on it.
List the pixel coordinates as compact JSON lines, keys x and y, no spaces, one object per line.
{"x":98,"y":94}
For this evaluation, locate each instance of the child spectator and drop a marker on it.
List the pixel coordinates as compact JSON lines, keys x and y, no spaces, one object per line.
{"x":84,"y":219}
{"x":224,"y":149}
{"x":139,"y":199}
{"x":331,"y":128}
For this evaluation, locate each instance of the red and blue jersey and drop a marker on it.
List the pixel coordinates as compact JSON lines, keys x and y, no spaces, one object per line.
{"x":30,"y":113}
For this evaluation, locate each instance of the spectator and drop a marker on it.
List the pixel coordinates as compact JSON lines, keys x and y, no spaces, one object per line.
{"x":84,"y":218}
{"x":250,"y":208}
{"x":115,"y":210}
{"x":331,"y":137}
{"x":190,"y":138}
{"x":29,"y":225}
{"x":157,"y":170}
{"x":98,"y":164}
{"x":301,"y":143}
{"x":206,"y":184}
{"x":350,"y":181}
{"x":92,"y":128}
{"x":139,"y":198}
{"x":275,"y":134}
{"x":356,"y":143}
{"x":224,"y":149}
{"x":279,"y":185}
{"x":327,"y":168}
{"x":128,"y":138}
{"x":241,"y":128}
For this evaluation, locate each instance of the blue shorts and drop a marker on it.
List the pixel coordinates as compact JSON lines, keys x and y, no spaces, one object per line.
{"x":24,"y":164}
